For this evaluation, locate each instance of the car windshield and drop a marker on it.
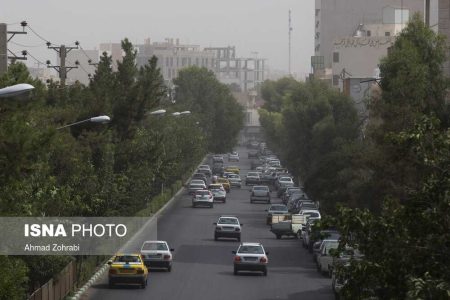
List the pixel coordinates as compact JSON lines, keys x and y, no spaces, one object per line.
{"x":331,"y":245}
{"x":260,"y":188}
{"x":155,"y":246}
{"x":202,"y":193}
{"x":223,"y":180}
{"x":204,"y":167}
{"x":252,"y":174}
{"x":127,"y":258}
{"x":233,"y":176}
{"x":285,"y":179}
{"x":278,"y":207}
{"x":232,"y":221}
{"x":251,"y":249}
{"x":197,"y":181}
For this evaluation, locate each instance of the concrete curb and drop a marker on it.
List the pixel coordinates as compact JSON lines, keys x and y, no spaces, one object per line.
{"x":103,"y":268}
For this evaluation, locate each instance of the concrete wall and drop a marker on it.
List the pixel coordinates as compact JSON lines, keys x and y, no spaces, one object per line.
{"x":444,"y":28}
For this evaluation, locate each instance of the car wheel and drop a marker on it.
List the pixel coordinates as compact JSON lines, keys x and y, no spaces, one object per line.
{"x":251,"y":201}
{"x":144,"y":284}
{"x":216,"y":237}
{"x":211,"y":205}
{"x":224,"y":200}
{"x":235,"y":271}
{"x":265,"y":272}
{"x":169,"y":268}
{"x":111,"y":284}
{"x":278,"y":236}
{"x":239,"y":239}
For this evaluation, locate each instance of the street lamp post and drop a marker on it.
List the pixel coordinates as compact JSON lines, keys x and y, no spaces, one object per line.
{"x":15,"y":90}
{"x":99,"y":119}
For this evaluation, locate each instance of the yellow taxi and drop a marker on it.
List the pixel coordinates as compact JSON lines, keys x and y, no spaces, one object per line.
{"x":225,"y":182}
{"x":127,"y":268}
{"x":233,"y":169}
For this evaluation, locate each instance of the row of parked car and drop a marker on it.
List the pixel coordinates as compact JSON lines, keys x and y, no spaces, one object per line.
{"x":298,"y":216}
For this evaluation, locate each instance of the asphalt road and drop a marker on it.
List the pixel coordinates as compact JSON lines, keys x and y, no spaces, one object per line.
{"x":203,"y":268}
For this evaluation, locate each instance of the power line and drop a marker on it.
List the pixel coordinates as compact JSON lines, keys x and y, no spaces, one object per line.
{"x":37,"y":60}
{"x":38,"y":35}
{"x":28,"y":46}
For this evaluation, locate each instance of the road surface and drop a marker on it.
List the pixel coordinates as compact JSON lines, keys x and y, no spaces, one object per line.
{"x":203,"y":268}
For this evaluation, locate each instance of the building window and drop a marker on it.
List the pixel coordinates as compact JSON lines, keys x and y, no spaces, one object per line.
{"x":197,"y":62}
{"x":387,"y":33}
{"x":189,"y":61}
{"x":171,"y":61}
{"x":368,"y":33}
{"x":317,"y":12}
{"x":335,"y":57}
{"x":335,"y":79}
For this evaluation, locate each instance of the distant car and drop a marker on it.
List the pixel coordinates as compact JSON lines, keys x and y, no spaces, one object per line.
{"x":217,"y":158}
{"x":157,"y":254}
{"x":250,"y":257}
{"x":275,"y":209}
{"x":200,"y":176}
{"x":196,"y":185}
{"x":225,"y":182}
{"x":289,"y":191}
{"x":235,"y":180}
{"x":227,"y":227}
{"x":233,"y":156}
{"x":233,"y":169}
{"x":252,"y":178}
{"x":252,"y":154}
{"x":205,"y":169}
{"x":203,"y":198}
{"x":127,"y":268}
{"x":325,"y":259}
{"x":260,"y":193}
{"x":310,"y":213}
{"x":322,"y":244}
{"x":217,"y":169}
{"x":218,"y":192}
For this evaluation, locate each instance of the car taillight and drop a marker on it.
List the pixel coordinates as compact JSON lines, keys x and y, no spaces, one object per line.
{"x":140,"y":271}
{"x":166,"y":257}
{"x":237,"y":258}
{"x":263,"y":259}
{"x":112,"y":271}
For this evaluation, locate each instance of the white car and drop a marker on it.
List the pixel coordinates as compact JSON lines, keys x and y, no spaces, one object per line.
{"x":324,"y":258}
{"x":233,"y":156}
{"x":203,"y":198}
{"x":157,"y":254}
{"x":250,"y":257}
{"x":218,"y":191}
{"x":310,"y":213}
{"x":235,"y":180}
{"x":205,"y":169}
{"x":227,"y":227}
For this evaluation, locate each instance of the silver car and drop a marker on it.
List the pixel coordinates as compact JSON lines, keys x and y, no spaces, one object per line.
{"x":235,"y":180}
{"x":260,"y":193}
{"x":250,"y":257}
{"x":218,"y":191}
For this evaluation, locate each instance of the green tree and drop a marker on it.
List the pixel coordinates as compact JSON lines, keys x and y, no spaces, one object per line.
{"x":13,"y":282}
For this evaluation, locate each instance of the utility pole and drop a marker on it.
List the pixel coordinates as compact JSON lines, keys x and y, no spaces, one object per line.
{"x":427,"y":13}
{"x":62,"y":69}
{"x":3,"y":49}
{"x":4,"y":46}
{"x":290,"y":31}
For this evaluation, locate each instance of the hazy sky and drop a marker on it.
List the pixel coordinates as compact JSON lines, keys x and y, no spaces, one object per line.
{"x":251,"y":25}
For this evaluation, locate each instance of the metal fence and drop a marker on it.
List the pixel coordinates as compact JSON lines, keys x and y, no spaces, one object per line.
{"x":59,"y":287}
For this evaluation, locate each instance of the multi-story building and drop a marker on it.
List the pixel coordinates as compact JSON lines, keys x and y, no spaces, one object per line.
{"x":174,"y":56}
{"x":342,"y":18}
{"x":246,"y":72}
